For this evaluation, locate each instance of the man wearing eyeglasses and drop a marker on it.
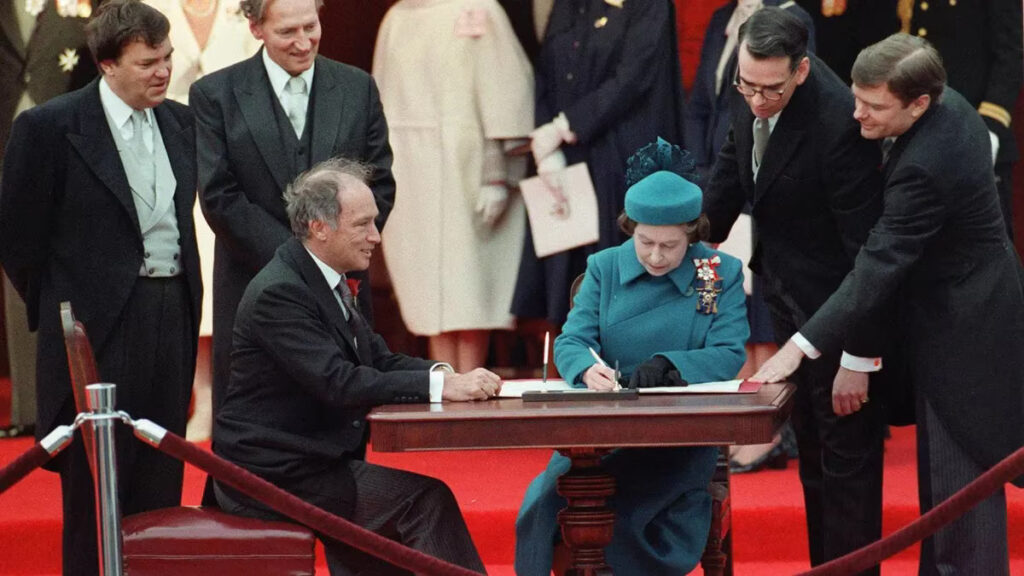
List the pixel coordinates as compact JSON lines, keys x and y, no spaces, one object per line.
{"x":794,"y":152}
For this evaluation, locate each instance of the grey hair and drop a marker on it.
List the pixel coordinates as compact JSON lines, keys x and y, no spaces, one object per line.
{"x":256,"y":10}
{"x":314,"y":195}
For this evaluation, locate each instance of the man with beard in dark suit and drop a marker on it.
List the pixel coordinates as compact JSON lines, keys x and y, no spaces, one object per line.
{"x":941,"y":253}
{"x":259,"y":124}
{"x":306,"y":369}
{"x":42,"y":55}
{"x":96,"y":209}
{"x":794,"y":153}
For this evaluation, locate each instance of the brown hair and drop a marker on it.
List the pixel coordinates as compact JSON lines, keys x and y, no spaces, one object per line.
{"x":907,"y":65}
{"x":697,"y":230}
{"x":120,"y":22}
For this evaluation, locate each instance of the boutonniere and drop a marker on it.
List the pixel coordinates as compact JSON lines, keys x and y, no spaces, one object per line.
{"x":615,"y":3}
{"x":353,"y":287}
{"x":709,"y":284}
{"x":68,"y":59}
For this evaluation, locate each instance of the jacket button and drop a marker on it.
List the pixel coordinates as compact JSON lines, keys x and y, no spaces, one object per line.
{"x":173,"y":270}
{"x":924,"y":6}
{"x":356,"y":423}
{"x":152,"y":271}
{"x":922,"y":32}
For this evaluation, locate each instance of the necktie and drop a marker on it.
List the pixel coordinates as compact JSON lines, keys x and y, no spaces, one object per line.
{"x":356,"y":323}
{"x":886,"y":148}
{"x":296,"y":103}
{"x":139,"y":140}
{"x":761,"y":135}
{"x":141,"y":145}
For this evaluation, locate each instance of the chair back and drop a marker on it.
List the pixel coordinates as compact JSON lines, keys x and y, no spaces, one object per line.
{"x":574,"y":289}
{"x":82,"y":367}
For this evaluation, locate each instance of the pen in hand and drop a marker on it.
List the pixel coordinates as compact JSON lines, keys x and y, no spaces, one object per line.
{"x":601,"y":361}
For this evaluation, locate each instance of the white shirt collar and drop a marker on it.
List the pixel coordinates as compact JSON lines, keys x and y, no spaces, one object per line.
{"x":279,"y":77}
{"x":117,"y":109}
{"x":330,"y":274}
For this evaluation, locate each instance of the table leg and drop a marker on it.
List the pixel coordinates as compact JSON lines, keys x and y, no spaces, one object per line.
{"x":586,"y":522}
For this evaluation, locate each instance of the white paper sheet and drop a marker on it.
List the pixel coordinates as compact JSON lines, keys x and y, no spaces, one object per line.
{"x":515,"y":388}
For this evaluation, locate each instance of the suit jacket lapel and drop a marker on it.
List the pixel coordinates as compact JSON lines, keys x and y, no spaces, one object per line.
{"x":328,"y":102}
{"x":179,"y":141}
{"x":96,"y":146}
{"x":254,"y":100}
{"x":744,"y":139}
{"x":786,"y":137}
{"x":324,"y":295}
{"x":9,"y":26}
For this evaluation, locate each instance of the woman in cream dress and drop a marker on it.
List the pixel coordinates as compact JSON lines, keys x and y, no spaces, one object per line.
{"x":457,"y":91}
{"x":207,"y":35}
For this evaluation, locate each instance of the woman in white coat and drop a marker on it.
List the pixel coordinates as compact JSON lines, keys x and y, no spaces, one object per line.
{"x":457,"y":91}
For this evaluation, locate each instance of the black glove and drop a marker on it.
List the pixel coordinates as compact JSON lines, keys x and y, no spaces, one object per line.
{"x":673,"y":378}
{"x":652,"y":373}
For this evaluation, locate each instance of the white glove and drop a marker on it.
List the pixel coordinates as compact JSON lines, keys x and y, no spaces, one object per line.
{"x":491,"y":203}
{"x":551,"y":170}
{"x":544,"y":141}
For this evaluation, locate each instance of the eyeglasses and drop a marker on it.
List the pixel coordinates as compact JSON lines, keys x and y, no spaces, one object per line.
{"x":769,"y":94}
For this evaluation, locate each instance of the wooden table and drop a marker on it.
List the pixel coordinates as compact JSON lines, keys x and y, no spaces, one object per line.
{"x":583,"y":431}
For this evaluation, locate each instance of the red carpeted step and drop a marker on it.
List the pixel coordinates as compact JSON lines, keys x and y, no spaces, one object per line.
{"x":768,"y":522}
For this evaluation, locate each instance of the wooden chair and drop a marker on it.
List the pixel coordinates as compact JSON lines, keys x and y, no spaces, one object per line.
{"x":717,"y":557}
{"x":193,"y":541}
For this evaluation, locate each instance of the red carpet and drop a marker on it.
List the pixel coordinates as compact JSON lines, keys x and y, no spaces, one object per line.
{"x":768,"y":523}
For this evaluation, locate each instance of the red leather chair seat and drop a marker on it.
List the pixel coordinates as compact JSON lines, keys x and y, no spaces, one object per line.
{"x":209,"y":542}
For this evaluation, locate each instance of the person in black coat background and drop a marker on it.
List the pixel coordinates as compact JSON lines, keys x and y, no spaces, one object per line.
{"x":982,"y":49}
{"x":79,"y":222}
{"x":608,"y":82}
{"x":42,"y":55}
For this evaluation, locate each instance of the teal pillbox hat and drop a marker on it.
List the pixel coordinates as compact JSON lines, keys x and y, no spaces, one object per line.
{"x":663,"y":198}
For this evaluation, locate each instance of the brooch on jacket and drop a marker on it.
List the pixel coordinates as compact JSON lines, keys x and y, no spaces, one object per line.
{"x":709,"y":284}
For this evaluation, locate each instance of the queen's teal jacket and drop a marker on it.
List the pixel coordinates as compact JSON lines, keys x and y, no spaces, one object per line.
{"x":662,"y":507}
{"x":626,"y":314}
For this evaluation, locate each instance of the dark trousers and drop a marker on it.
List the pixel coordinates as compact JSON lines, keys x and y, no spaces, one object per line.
{"x":840,"y":457}
{"x":975,"y":543}
{"x":415,"y":510}
{"x":151,"y":358}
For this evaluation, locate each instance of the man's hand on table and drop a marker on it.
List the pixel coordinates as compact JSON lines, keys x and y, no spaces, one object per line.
{"x":477,"y":384}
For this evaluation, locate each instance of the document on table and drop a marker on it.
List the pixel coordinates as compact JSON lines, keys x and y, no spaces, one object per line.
{"x":515,"y":388}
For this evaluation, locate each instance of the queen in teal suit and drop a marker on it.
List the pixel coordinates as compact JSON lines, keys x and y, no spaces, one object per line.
{"x":670,"y":311}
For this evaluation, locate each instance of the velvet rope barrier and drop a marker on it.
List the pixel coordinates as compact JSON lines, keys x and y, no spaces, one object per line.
{"x":952,"y":508}
{"x":313,"y":517}
{"x":37,"y":455}
{"x":33,"y":458}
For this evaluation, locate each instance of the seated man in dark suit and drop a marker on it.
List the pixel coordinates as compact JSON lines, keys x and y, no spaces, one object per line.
{"x":305,"y":370}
